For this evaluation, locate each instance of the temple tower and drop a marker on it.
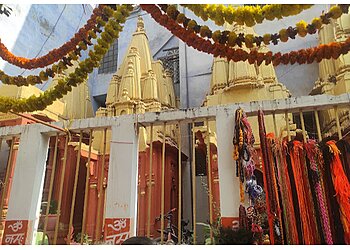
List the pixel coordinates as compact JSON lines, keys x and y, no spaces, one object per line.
{"x":142,"y":85}
{"x":334,"y":75}
{"x":235,"y":82}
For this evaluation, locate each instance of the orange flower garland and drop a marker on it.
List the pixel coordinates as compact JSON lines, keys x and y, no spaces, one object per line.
{"x":65,"y":85}
{"x":81,"y":37}
{"x":324,"y":51}
{"x":232,"y":39}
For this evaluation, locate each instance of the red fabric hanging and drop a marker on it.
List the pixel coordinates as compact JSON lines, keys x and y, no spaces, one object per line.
{"x":315,"y":157}
{"x":342,"y":188}
{"x":304,"y":197}
{"x":287,"y":196}
{"x":270,"y":187}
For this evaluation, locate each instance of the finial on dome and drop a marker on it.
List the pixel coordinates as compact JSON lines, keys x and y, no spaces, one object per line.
{"x":140,"y":24}
{"x":130,"y":67}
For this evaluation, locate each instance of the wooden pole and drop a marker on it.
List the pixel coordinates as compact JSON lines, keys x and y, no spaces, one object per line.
{"x":52,"y":178}
{"x":86,"y":189}
{"x":38,"y":121}
{"x":287,"y":125}
{"x":61,"y":188}
{"x":150,"y":183}
{"x":275,"y":125}
{"x":7,"y":176}
{"x":318,"y":127}
{"x":337,"y":122}
{"x":194,"y":221}
{"x":180,"y":190}
{"x":100,"y":193}
{"x":302,"y":125}
{"x":209,"y":185}
{"x":162,"y":190}
{"x":77,"y":166}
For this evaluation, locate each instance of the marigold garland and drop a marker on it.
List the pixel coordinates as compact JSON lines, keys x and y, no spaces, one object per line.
{"x":232,"y":39}
{"x":324,"y":51}
{"x":112,"y":29}
{"x":60,"y":66}
{"x":248,"y":15}
{"x":81,"y":38}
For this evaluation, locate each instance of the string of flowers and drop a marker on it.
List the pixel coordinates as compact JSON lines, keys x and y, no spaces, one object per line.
{"x":61,"y":65}
{"x":231,"y":38}
{"x":248,"y":15}
{"x":81,"y":38}
{"x":324,"y":51}
{"x":111,"y":32}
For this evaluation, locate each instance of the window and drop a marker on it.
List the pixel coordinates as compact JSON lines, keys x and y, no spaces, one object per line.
{"x":110,"y":60}
{"x":171,"y":63}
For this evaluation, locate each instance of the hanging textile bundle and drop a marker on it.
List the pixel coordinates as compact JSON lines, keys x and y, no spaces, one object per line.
{"x":315,"y":156}
{"x":243,"y":149}
{"x":305,"y":199}
{"x":243,"y":219}
{"x":344,"y":148}
{"x":270,"y":186}
{"x":280,"y":150}
{"x":342,"y":188}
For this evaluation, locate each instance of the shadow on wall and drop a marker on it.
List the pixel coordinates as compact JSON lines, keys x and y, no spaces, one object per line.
{"x":42,"y":28}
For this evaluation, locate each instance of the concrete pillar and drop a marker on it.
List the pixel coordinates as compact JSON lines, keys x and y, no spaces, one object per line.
{"x":27,"y":187}
{"x":121,"y":203}
{"x":228,"y":182}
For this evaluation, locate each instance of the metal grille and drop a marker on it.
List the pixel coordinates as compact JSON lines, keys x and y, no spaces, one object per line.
{"x":110,"y":60}
{"x":171,"y":63}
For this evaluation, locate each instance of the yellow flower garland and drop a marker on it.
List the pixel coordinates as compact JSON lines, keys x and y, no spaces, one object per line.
{"x":65,"y":85}
{"x":248,"y":15}
{"x":56,"y":68}
{"x":232,"y":39}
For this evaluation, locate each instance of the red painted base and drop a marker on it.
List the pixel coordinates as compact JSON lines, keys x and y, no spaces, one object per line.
{"x":117,"y":230}
{"x":15,"y":232}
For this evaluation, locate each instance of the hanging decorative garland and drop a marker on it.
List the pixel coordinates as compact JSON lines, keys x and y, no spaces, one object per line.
{"x":314,"y":155}
{"x":112,"y":29}
{"x":232,"y":39}
{"x":82,"y":37}
{"x":280,"y":151}
{"x":56,"y":68}
{"x":341,"y":187}
{"x":324,"y":51}
{"x":248,"y":15}
{"x":243,"y":152}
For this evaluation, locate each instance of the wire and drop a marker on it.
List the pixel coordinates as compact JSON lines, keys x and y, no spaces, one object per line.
{"x":83,"y":12}
{"x":53,"y":29}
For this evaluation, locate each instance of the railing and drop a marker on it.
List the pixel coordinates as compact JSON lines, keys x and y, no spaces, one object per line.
{"x":117,"y":155}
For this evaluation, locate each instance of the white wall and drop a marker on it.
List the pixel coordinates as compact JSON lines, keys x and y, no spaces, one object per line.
{"x":30,"y":31}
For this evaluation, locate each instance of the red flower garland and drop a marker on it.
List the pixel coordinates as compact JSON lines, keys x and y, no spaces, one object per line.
{"x":55,"y":54}
{"x":324,"y":51}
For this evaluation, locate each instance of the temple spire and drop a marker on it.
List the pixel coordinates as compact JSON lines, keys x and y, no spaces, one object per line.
{"x":140,"y":24}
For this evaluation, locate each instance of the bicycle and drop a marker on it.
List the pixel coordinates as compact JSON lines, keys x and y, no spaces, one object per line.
{"x":170,"y":232}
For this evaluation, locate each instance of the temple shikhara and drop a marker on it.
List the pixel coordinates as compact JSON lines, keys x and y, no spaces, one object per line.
{"x":149,"y":125}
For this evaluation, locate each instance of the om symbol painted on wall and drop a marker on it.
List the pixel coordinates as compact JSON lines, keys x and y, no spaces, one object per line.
{"x":15,"y":232}
{"x":117,"y":230}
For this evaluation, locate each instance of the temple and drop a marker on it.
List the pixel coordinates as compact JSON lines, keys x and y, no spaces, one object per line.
{"x":82,"y":165}
{"x":334,"y":75}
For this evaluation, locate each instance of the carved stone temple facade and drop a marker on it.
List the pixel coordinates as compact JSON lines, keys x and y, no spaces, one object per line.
{"x":238,"y":82}
{"x":142,"y":85}
{"x":334,"y":75}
